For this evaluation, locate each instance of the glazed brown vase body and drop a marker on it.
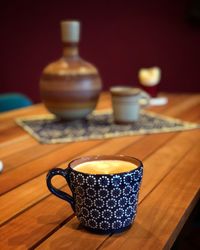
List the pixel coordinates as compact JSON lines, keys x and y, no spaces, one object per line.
{"x":70,"y":86}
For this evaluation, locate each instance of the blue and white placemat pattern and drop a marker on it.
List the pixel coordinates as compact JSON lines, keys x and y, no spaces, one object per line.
{"x":98,"y":125}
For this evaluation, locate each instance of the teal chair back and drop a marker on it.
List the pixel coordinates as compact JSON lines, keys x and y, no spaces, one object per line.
{"x":10,"y":101}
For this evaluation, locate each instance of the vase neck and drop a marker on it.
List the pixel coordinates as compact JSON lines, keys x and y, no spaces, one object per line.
{"x":70,"y":50}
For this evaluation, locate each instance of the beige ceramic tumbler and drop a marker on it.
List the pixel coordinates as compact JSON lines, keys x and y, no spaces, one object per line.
{"x":126,"y":102}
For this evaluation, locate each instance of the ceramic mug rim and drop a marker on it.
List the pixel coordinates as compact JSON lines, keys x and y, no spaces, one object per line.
{"x":83,"y":159}
{"x":124,"y":91}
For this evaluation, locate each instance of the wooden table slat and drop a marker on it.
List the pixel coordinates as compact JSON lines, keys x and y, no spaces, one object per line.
{"x":178,"y":188}
{"x":32,"y":217}
{"x":63,"y":154}
{"x":148,"y":162}
{"x":37,"y":186}
{"x":22,"y":143}
{"x":152,"y":165}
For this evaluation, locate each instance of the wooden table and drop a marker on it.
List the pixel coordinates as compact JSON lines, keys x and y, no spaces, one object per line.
{"x":31,"y":217}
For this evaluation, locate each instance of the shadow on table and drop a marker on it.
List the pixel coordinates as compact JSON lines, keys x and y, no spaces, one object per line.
{"x":43,"y":224}
{"x":75,"y":236}
{"x":189,"y":237}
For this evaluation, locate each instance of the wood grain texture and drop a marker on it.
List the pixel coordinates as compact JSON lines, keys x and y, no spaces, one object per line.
{"x":32,"y":217}
{"x":9,"y":130}
{"x":32,"y":212}
{"x":122,"y":152}
{"x":20,"y":199}
{"x":152,"y":165}
{"x":31,"y":110}
{"x":34,"y":224}
{"x":22,"y":143}
{"x":18,"y":175}
{"x":28,"y":154}
{"x":162,"y":214}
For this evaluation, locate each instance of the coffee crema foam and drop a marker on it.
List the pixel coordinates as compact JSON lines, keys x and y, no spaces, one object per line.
{"x":105,"y":167}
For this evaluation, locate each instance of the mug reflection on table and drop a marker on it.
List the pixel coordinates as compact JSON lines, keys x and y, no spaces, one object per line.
{"x":104,"y":189}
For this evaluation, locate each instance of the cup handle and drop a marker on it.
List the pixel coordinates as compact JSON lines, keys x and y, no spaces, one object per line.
{"x":60,"y":194}
{"x":144,"y":99}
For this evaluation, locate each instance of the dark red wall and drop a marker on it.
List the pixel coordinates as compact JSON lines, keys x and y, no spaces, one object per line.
{"x":119,"y":37}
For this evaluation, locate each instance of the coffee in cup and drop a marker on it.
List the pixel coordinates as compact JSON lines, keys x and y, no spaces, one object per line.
{"x":105,"y":167}
{"x":104,"y":189}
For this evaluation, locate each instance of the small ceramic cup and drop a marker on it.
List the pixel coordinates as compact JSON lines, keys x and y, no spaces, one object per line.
{"x":126,"y":102}
{"x":103,"y":203}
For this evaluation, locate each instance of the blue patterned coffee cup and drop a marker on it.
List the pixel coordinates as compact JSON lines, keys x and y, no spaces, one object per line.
{"x":103,"y":203}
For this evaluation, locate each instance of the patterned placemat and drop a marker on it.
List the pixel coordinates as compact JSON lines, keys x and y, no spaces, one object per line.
{"x":49,"y":129}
